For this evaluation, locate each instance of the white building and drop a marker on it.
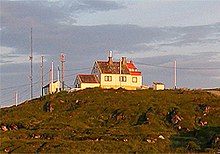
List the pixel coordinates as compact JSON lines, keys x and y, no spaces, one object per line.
{"x":109,"y":74}
{"x":52,"y":87}
{"x":158,"y":86}
{"x":86,"y":80}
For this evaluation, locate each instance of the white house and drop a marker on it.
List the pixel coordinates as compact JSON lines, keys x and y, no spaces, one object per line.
{"x":52,"y":87}
{"x":109,"y":74}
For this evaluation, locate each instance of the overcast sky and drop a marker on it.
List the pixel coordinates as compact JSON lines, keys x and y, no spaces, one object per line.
{"x":153,"y":33}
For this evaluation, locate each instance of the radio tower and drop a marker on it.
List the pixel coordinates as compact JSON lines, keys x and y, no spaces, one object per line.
{"x":62,"y":60}
{"x":174,"y":73}
{"x":31,"y":69}
{"x":42,"y":75}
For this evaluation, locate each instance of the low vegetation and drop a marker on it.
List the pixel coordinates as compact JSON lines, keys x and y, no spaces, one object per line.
{"x":114,"y":121}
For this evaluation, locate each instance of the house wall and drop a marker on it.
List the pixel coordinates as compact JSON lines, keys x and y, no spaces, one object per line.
{"x":89,"y":85}
{"x":115,"y":82}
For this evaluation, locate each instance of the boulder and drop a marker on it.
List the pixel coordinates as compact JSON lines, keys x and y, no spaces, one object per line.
{"x":4,"y":128}
{"x":7,"y":150}
{"x":161,"y":137}
{"x":48,"y":107}
{"x":215,"y":140}
{"x":173,"y":117}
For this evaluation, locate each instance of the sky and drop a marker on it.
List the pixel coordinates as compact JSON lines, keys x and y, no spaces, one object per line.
{"x":153,"y":33}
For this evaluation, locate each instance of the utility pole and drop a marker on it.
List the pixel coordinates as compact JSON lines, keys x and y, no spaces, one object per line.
{"x":62,"y":60}
{"x":16,"y":98}
{"x":174,"y":75}
{"x":51,"y":78}
{"x":51,"y":72}
{"x":120,"y":78}
{"x":31,"y":68}
{"x":42,"y":75}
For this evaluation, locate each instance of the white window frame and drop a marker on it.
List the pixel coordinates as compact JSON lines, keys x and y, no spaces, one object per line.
{"x":134,"y":79}
{"x":108,"y":78}
{"x":122,"y":78}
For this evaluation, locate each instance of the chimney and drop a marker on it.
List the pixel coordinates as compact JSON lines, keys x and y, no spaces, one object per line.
{"x":110,"y":58}
{"x":124,"y":61}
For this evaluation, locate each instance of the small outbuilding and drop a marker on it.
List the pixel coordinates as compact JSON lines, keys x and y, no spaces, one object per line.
{"x":158,"y":86}
{"x":84,"y":81}
{"x":52,"y":87}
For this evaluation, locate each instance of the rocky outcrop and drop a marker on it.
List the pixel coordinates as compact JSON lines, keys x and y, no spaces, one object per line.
{"x":48,"y":107}
{"x":11,"y":126}
{"x":173,"y":117}
{"x":40,"y":136}
{"x":205,"y":109}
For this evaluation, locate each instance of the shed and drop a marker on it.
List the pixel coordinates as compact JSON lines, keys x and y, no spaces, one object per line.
{"x":86,"y":80}
{"x":158,"y":86}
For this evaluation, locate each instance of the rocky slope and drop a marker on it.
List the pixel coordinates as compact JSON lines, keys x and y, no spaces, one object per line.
{"x":115,"y":121}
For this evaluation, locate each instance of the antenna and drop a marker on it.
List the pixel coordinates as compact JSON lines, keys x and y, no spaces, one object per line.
{"x":62,"y":60}
{"x":174,"y":75}
{"x":16,"y":98}
{"x":58,"y":73}
{"x":31,"y":69}
{"x":51,"y":72}
{"x":42,"y":75}
{"x":120,"y":72}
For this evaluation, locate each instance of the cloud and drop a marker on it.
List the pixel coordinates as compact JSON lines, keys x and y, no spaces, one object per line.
{"x":18,"y":14}
{"x":95,"y":5}
{"x":9,"y":56}
{"x":25,"y":14}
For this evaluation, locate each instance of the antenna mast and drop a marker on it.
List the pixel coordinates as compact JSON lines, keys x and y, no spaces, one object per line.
{"x":31,"y":71}
{"x":58,"y":73}
{"x":174,"y":74}
{"x":16,"y":98}
{"x":120,"y":78}
{"x":62,"y":60}
{"x":51,"y":72}
{"x":42,"y":75}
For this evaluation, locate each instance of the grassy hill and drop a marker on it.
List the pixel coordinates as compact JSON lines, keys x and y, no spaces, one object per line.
{"x":115,"y":121}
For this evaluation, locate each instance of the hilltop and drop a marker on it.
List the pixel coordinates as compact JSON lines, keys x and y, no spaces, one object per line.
{"x":115,"y":121}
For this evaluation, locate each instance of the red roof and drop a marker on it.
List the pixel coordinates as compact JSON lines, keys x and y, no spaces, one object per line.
{"x":132,"y":68}
{"x":130,"y":65}
{"x":158,"y":83}
{"x":135,"y":73}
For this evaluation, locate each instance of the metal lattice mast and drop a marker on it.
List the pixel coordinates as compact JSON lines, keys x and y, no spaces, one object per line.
{"x":62,"y":60}
{"x":31,"y":68}
{"x":174,"y":75}
{"x":42,"y":75}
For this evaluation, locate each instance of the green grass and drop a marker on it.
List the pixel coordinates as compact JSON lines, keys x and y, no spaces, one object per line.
{"x":115,"y":121}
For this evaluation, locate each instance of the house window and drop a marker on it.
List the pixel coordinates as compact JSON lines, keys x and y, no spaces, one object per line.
{"x":134,"y":79}
{"x":108,"y":78}
{"x":122,"y":79}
